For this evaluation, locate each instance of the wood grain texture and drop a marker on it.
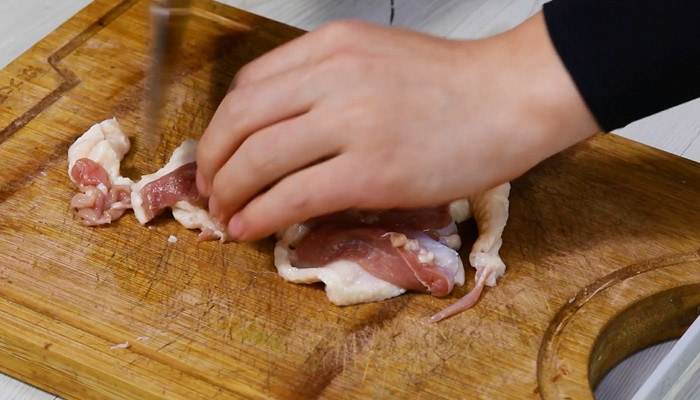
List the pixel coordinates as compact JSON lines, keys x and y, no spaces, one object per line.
{"x":594,"y":232}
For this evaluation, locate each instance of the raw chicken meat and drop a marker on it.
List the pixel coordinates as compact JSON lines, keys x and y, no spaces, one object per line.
{"x":372,"y":256}
{"x":173,"y":186}
{"x":93,"y":165}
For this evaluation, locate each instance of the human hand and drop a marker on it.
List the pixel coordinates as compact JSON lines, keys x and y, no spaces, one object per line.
{"x":361,"y":116}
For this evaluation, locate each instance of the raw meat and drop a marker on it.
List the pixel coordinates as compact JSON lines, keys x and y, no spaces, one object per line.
{"x":490,"y":211}
{"x":406,"y":250}
{"x":365,"y":257}
{"x":93,"y":165}
{"x":173,"y":186}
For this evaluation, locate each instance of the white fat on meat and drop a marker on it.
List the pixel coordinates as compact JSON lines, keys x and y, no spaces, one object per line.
{"x":191,"y":216}
{"x":106,"y":144}
{"x":346,"y":282}
{"x":445,"y":256}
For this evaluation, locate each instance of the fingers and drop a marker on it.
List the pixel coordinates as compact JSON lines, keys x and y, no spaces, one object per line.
{"x":307,"y":49}
{"x":321,"y":189}
{"x":246,"y":110}
{"x":267,"y":156}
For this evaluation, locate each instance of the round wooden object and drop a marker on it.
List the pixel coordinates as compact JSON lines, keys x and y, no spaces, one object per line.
{"x":614,"y":317}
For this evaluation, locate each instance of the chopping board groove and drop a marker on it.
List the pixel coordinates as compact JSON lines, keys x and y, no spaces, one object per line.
{"x":602,"y":248}
{"x":69,"y":79}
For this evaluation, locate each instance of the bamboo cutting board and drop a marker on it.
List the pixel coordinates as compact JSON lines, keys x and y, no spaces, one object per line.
{"x":603,"y":250}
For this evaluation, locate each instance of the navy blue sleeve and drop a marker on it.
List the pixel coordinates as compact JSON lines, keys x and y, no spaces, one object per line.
{"x":628,"y":58}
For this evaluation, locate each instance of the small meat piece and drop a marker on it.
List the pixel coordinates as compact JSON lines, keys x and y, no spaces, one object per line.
{"x":86,"y":172}
{"x":173,"y":186}
{"x":93,"y":165}
{"x":177,"y":185}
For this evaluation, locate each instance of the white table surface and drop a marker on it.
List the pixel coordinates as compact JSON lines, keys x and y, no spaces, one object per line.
{"x":25,"y":22}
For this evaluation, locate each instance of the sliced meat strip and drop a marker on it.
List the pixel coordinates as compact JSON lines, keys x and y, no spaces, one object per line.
{"x":173,"y":186}
{"x":166,"y":191}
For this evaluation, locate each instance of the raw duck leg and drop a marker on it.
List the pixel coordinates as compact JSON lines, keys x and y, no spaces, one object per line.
{"x":490,"y":210}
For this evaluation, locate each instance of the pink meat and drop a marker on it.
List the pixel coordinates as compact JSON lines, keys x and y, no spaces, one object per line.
{"x":171,"y":188}
{"x":93,"y":206}
{"x":120,"y":193}
{"x":465,"y":302}
{"x":430,"y":221}
{"x":363,"y":239}
{"x":87,"y":172}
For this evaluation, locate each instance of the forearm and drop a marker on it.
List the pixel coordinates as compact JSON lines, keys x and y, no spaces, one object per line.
{"x":540,"y":109}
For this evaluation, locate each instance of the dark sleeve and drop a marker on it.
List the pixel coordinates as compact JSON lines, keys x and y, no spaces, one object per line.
{"x":628,"y":58}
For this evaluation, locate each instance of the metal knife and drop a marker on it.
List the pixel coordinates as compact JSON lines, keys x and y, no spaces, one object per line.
{"x":168,"y":21}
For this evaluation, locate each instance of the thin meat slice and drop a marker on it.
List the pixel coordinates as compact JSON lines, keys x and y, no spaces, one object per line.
{"x":93,"y":165}
{"x":166,"y":191}
{"x":104,"y":143}
{"x":173,"y":186}
{"x":435,"y":222}
{"x":346,"y":282}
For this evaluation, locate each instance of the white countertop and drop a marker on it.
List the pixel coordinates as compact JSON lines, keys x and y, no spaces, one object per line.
{"x":25,"y":22}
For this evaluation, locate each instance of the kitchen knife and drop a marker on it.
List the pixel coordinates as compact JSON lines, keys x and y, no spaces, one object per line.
{"x":168,"y":21}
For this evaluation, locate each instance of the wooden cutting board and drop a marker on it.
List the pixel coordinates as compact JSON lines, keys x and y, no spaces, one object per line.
{"x":602,"y":249}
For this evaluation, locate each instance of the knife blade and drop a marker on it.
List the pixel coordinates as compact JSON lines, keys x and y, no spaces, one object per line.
{"x":168,"y":23}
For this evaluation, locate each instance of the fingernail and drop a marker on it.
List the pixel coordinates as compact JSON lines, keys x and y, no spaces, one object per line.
{"x":236,"y":227}
{"x":201,"y":185}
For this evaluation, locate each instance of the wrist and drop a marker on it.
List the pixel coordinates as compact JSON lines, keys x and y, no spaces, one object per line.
{"x":544,"y":101}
